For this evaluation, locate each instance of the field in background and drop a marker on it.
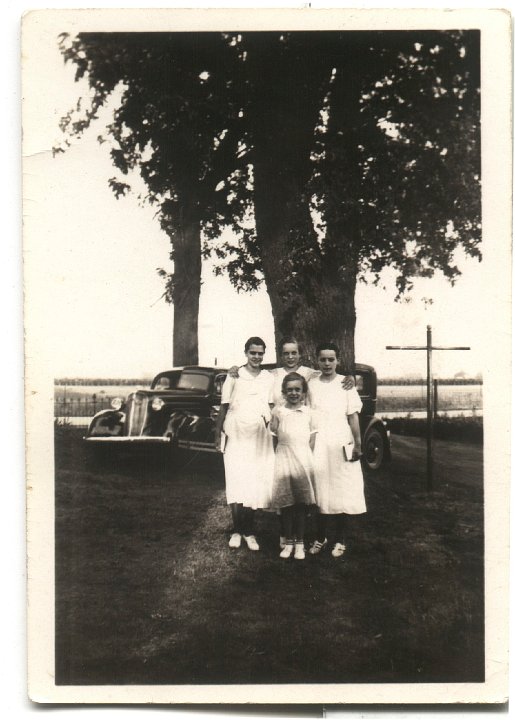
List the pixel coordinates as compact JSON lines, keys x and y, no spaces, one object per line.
{"x":459,"y":397}
{"x":83,"y":401}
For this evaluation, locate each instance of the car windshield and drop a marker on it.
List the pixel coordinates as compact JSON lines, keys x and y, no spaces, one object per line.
{"x":166,"y":382}
{"x":193,"y":381}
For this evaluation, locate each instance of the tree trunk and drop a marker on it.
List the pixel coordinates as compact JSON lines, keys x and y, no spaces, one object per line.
{"x":186,"y":292}
{"x":321,"y":306}
{"x":284,"y":115}
{"x":332,"y":318}
{"x":272,"y":231}
{"x":311,"y":288}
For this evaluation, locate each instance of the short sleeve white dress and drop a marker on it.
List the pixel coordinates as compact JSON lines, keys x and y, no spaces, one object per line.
{"x":339,"y":484}
{"x":293,"y":475}
{"x":249,"y":453}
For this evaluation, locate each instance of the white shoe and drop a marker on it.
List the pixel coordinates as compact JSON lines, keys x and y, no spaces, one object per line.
{"x":299,"y":551}
{"x":338,"y":550}
{"x":286,"y":551}
{"x":235,"y":540}
{"x":251,"y":542}
{"x":317,"y":547}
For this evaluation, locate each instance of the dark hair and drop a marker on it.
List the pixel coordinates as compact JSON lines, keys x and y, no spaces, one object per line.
{"x":327,"y":346}
{"x":288,"y":340}
{"x":254,"y":341}
{"x":290,"y":378}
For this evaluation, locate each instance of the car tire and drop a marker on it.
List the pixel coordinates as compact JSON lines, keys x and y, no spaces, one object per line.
{"x":375,"y":449}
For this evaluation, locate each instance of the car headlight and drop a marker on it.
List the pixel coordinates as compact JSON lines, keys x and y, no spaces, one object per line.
{"x":157,"y":403}
{"x":116,"y":403}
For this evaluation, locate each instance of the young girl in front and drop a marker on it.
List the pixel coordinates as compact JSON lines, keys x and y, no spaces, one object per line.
{"x":339,"y":487}
{"x":293,"y":426}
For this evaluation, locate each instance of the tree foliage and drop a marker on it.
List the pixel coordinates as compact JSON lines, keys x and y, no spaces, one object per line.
{"x":330,"y":155}
{"x":397,"y":146}
{"x":365,"y":151}
{"x":175,"y":123}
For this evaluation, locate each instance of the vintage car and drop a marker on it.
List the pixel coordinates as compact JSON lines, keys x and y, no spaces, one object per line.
{"x":180,"y":408}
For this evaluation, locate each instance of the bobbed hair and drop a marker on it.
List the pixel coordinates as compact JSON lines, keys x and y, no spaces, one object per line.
{"x":290,"y":377}
{"x":254,"y":341}
{"x":288,"y":340}
{"x":328,"y":346}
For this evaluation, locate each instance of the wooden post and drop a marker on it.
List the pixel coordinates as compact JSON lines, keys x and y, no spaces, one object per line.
{"x":428,"y":347}
{"x":429,"y":426}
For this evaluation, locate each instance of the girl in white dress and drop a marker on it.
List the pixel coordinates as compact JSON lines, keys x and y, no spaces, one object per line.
{"x":339,"y":486}
{"x":248,"y":453}
{"x":294,"y":427}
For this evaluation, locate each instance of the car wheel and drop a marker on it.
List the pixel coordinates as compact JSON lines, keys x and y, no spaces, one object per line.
{"x":375,"y":449}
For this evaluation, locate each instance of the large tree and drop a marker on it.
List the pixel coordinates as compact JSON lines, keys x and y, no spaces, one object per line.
{"x":176,"y":123}
{"x":332,"y":155}
{"x":365,"y":154}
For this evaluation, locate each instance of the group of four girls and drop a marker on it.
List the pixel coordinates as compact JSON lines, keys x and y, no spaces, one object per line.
{"x":310,"y":418}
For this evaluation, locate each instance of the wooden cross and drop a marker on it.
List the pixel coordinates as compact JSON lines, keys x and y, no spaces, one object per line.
{"x":429,"y":347}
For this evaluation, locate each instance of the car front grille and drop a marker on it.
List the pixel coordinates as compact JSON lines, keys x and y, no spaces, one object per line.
{"x":137,"y":415}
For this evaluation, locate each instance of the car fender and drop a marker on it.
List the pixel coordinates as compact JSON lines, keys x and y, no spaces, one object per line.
{"x":111,"y":421}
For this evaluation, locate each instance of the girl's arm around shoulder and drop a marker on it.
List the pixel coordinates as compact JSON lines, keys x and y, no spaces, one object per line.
{"x":234,"y":371}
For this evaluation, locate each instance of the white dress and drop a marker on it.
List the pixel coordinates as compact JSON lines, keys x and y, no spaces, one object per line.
{"x":279,"y":375}
{"x":338,"y":482}
{"x":293,"y":474}
{"x":249,"y":453}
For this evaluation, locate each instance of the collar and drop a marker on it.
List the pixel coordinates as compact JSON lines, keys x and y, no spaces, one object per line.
{"x":301,"y":408}
{"x":248,"y":375}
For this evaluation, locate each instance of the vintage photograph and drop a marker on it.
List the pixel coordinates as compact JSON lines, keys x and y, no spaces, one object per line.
{"x":267,"y":295}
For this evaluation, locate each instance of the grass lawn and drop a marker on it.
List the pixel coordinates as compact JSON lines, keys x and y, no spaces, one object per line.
{"x":148,"y":592}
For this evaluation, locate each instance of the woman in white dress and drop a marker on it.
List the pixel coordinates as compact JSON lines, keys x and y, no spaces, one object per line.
{"x":339,"y":485}
{"x":248,"y":452}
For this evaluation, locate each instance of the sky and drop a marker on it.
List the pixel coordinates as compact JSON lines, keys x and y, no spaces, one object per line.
{"x":104,"y":296}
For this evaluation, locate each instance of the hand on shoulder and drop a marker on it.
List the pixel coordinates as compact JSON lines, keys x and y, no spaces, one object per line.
{"x":349,"y":382}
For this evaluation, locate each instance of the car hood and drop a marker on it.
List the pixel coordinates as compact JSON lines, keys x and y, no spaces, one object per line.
{"x":168,"y":395}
